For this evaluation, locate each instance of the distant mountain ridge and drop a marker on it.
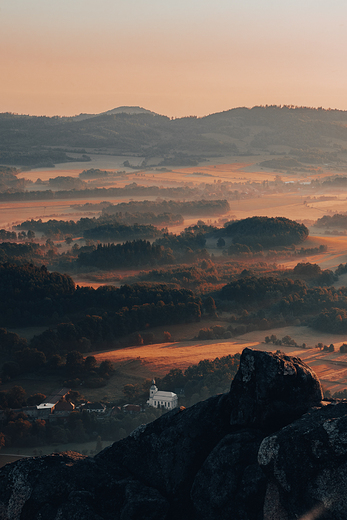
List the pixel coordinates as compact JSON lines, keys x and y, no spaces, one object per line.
{"x":118,"y":110}
{"x":299,"y":136}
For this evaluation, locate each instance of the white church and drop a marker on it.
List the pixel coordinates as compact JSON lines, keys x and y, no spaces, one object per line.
{"x":159,"y":399}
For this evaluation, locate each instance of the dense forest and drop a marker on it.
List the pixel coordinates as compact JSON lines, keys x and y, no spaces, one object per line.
{"x":113,"y":227}
{"x":137,"y":253}
{"x":267,"y":231}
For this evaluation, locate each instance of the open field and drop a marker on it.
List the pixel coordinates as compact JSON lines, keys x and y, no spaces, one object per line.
{"x":157,"y":360}
{"x":242,"y":170}
{"x":134,"y":364}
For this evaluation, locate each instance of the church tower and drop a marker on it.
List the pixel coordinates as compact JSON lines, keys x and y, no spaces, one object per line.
{"x":153,"y":390}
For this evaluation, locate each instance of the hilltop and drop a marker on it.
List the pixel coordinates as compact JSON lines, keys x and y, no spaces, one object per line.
{"x":297,"y":136}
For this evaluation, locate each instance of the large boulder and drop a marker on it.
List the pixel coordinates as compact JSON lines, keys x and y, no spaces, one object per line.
{"x":270,"y":390}
{"x":306,"y":466}
{"x":230,"y":483}
{"x":168,"y":453}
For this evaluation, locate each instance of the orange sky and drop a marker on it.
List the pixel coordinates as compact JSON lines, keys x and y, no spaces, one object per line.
{"x":176,"y":58}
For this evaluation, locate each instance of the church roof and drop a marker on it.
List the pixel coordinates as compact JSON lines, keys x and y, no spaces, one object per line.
{"x":164,"y":395}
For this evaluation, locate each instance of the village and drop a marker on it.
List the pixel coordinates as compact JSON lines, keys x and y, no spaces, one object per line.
{"x":59,"y":405}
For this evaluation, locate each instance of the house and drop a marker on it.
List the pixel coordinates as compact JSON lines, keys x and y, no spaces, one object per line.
{"x":48,"y":405}
{"x":115,"y":410}
{"x":132,"y":408}
{"x":94,"y":407}
{"x":63,"y":408}
{"x":161,"y":399}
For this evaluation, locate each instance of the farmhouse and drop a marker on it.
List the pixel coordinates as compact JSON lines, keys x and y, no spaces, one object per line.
{"x":48,"y":405}
{"x":160,"y":399}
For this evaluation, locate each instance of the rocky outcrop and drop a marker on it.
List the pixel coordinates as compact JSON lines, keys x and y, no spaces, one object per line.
{"x":271,"y":390}
{"x":270,"y":449}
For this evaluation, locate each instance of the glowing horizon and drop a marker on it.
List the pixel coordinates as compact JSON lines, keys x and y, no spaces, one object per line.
{"x":177,"y":59}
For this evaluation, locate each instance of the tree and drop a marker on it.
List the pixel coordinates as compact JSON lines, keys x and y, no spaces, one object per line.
{"x":90,"y":363}
{"x":35,"y":399}
{"x":74,"y":396}
{"x":106,"y":368}
{"x":210,"y":306}
{"x":2,"y":440}
{"x":16,"y":397}
{"x":55,"y":362}
{"x":18,"y":428}
{"x":30,"y":359}
{"x":10,"y":370}
{"x":74,"y":362}
{"x":221,"y":242}
{"x":167,"y":336}
{"x":131,"y":392}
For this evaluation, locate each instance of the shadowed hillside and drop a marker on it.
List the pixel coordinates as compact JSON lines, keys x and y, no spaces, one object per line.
{"x":300,"y":132}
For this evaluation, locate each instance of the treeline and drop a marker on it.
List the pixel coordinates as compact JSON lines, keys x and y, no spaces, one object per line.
{"x":8,"y":179}
{"x":257,"y":251}
{"x":185,"y":240}
{"x":271,"y":301}
{"x":255,"y":289}
{"x":332,"y":320}
{"x":117,"y":231}
{"x":168,"y":250}
{"x":7,"y":235}
{"x":132,"y":190}
{"x":38,"y":158}
{"x":137,"y":253}
{"x":266,"y":231}
{"x":83,"y":316}
{"x":108,"y":227}
{"x":187,"y":276}
{"x":73,"y":369}
{"x":332,"y":221}
{"x":200,"y":381}
{"x":121,"y":225}
{"x":192,"y":207}
{"x":21,"y":253}
{"x":96,"y":173}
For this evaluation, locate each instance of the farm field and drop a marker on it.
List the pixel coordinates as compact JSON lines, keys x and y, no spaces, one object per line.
{"x":157,"y":360}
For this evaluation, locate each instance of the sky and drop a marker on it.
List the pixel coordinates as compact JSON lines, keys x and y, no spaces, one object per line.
{"x":174,"y":57}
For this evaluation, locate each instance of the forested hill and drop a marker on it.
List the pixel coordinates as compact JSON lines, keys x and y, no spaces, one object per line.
{"x":306,"y":131}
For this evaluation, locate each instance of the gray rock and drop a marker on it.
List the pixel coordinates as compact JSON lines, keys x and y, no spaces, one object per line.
{"x":230,"y":483}
{"x":168,"y":453}
{"x":306,"y":465}
{"x":270,"y":390}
